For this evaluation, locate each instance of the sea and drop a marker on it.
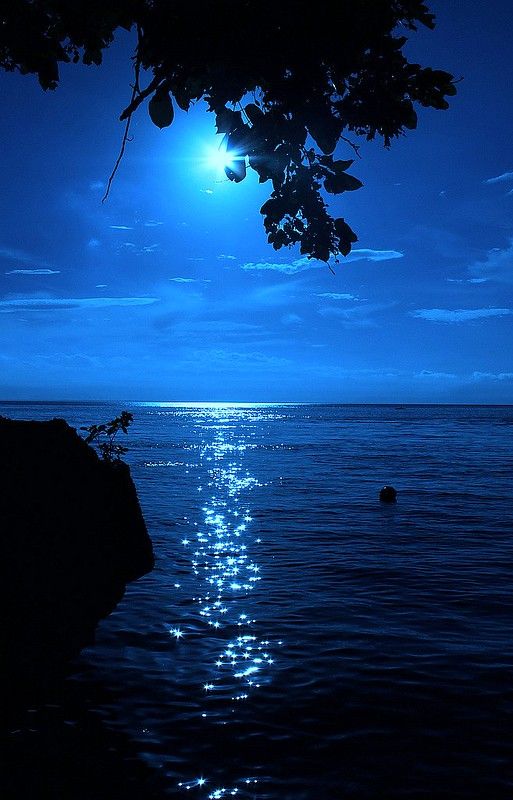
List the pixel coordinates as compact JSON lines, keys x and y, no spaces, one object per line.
{"x":298,"y":639}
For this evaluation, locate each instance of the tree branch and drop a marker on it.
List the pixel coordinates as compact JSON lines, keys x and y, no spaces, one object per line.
{"x":138,"y":97}
{"x":136,"y":93}
{"x":118,"y":160}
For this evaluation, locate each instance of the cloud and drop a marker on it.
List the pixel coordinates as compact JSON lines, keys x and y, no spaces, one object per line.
{"x":492,"y":376}
{"x":121,"y":227}
{"x":152,"y":223}
{"x":427,"y":374}
{"x":33,"y":272}
{"x":373,"y":255}
{"x":228,"y":360}
{"x":47,"y":304}
{"x":337,"y":296}
{"x":467,"y":280}
{"x":299,"y":265}
{"x":207,"y":191}
{"x":497,"y":265}
{"x":13,"y":254}
{"x":304,"y":263}
{"x":227,"y":257}
{"x":291,"y":319}
{"x":359,"y":316}
{"x":190,"y":280}
{"x":460,"y":314}
{"x":214,"y":326}
{"x":94,"y":243}
{"x":506,"y":176}
{"x":138,"y":251}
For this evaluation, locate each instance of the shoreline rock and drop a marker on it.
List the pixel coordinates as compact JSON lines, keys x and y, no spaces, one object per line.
{"x":72,"y":535}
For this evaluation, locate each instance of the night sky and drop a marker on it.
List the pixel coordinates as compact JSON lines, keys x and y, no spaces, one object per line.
{"x":169,"y":290}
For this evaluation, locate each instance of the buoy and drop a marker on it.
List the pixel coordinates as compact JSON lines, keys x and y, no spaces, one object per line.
{"x":388,"y":494}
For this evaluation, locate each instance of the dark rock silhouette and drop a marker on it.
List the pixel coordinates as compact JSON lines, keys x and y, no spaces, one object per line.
{"x":72,"y":536}
{"x":388,"y":494}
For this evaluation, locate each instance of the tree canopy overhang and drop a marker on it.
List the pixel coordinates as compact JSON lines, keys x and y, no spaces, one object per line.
{"x":286,"y":82}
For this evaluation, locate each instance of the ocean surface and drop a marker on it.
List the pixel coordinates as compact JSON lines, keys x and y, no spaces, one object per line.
{"x":298,"y":639}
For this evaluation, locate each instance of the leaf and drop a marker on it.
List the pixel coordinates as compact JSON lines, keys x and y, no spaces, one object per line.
{"x":237,"y":172}
{"x":335,"y":166}
{"x":253,"y":113}
{"x":341,"y":166}
{"x":346,"y":236}
{"x":160,"y":109}
{"x":227,"y":120}
{"x":336,"y":184}
{"x":410,"y":116}
{"x":182,"y":97}
{"x":326,"y":131}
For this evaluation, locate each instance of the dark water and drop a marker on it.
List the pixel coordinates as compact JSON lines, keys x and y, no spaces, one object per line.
{"x":297,"y":639}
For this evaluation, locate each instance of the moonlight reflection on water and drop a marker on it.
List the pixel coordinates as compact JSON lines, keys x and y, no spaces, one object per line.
{"x":220,"y":549}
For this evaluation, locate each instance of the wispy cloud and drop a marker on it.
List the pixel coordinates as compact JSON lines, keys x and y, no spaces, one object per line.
{"x":228,"y":360}
{"x":467,"y":280}
{"x":459,"y":314}
{"x":360,"y":316}
{"x":506,"y":176}
{"x":214,"y":326}
{"x":430,"y":375}
{"x":33,"y":272}
{"x":52,"y":304}
{"x":152,"y":223}
{"x":492,"y":376}
{"x":291,"y":319}
{"x":121,"y":227}
{"x":13,"y":254}
{"x":497,"y":265}
{"x":337,"y":296}
{"x":373,"y":255}
{"x":190,"y":280}
{"x":224,"y":256}
{"x":304,"y":263}
{"x":299,"y":265}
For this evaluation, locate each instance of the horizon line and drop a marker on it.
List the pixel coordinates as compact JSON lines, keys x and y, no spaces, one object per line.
{"x":232,"y":403}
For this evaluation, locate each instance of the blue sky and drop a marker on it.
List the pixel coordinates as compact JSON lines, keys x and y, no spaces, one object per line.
{"x":169,"y":290}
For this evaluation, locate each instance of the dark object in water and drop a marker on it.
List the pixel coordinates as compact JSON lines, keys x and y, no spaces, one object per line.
{"x":388,"y":494}
{"x":72,"y":536}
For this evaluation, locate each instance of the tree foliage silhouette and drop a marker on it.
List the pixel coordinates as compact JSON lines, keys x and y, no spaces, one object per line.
{"x":104,"y":436}
{"x":286,"y":81}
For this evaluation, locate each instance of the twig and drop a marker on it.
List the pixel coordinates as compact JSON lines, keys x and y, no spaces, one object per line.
{"x":120,"y":156}
{"x":355,"y":147}
{"x":136,"y":93}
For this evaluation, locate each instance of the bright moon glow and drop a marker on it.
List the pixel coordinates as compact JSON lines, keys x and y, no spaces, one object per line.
{"x":217,"y":158}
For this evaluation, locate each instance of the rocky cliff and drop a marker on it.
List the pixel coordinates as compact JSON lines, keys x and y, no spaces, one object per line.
{"x":72,"y":536}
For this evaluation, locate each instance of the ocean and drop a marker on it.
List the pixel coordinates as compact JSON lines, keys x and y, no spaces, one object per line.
{"x":298,"y":639}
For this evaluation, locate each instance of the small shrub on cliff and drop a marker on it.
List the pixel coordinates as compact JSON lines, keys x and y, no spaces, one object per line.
{"x":103,"y":436}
